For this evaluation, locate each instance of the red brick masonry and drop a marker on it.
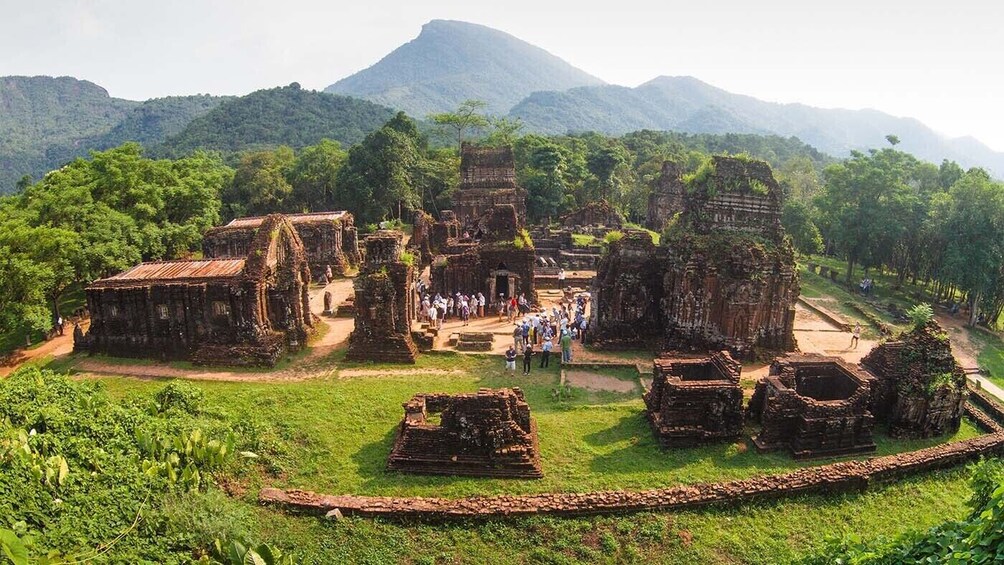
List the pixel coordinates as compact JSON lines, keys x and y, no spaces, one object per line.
{"x":845,"y":476}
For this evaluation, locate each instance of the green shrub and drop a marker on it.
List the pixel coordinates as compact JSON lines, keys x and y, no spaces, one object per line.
{"x":181,"y":396}
{"x":613,"y":236}
{"x":407,"y":258}
{"x":920,"y":315}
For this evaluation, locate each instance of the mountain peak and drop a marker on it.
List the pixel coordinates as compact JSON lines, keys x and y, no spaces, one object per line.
{"x":451,"y":61}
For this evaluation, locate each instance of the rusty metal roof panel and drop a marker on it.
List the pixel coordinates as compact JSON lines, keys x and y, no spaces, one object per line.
{"x":174,"y":271}
{"x":254,"y":222}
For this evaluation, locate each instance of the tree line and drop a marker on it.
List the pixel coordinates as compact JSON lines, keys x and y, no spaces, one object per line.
{"x":97,"y":216}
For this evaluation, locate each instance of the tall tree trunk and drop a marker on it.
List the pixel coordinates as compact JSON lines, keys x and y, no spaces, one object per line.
{"x":974,"y":309}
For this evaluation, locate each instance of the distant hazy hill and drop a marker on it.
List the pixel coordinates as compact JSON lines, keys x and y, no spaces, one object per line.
{"x":279,"y":116}
{"x":688,"y":105}
{"x":38,"y":113}
{"x":45,"y":122}
{"x":451,"y":61}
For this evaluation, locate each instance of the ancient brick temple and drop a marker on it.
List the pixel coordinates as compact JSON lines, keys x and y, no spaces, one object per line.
{"x":240,"y":311}
{"x":920,"y":389}
{"x":596,"y":213}
{"x":329,"y":239}
{"x":694,"y":401}
{"x":814,"y":406}
{"x":666,"y":199}
{"x":723,"y":278}
{"x":499,"y":262}
{"x":487,"y":434}
{"x":626,"y":307}
{"x":384,"y":303}
{"x":487,"y":179}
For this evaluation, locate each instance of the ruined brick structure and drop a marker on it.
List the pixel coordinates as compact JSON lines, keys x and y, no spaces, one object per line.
{"x":329,"y":239}
{"x":499,"y":261}
{"x":725,"y":271}
{"x":240,"y":311}
{"x":626,"y":307}
{"x":814,"y":406}
{"x":430,"y":237}
{"x":666,"y":199}
{"x":597,"y":213}
{"x":694,"y":401}
{"x":487,"y":434}
{"x":920,"y":389}
{"x":487,"y":179}
{"x":384,"y":303}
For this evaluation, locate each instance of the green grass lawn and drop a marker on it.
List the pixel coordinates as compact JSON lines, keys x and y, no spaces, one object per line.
{"x":337,"y":433}
{"x":344,"y":428}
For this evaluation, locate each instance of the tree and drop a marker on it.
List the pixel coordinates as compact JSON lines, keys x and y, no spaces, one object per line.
{"x":796,"y":216}
{"x":863,"y":205}
{"x":603,"y":163}
{"x":971,"y":220}
{"x":260,"y":186}
{"x":892,"y":139}
{"x":378,"y":178}
{"x":545,"y":189}
{"x":313,"y":176}
{"x":467,"y":117}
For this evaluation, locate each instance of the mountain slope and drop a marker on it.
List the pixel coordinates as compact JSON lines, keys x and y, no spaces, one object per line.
{"x":39,"y":113}
{"x":452,"y":61}
{"x":689,"y":105}
{"x":279,"y":116}
{"x":46,"y":122}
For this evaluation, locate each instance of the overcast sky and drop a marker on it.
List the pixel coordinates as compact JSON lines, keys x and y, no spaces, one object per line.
{"x":940,"y":62}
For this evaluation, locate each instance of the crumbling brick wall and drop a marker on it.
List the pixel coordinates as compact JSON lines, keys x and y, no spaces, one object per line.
{"x":487,"y":179}
{"x":921,"y":389}
{"x":666,"y":199}
{"x":725,"y":270}
{"x":595,"y":213}
{"x":814,"y":406}
{"x":384,"y":303}
{"x":488,"y":434}
{"x":694,"y":401}
{"x":627,"y":294}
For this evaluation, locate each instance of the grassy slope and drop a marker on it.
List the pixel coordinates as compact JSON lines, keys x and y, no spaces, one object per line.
{"x":342,"y":434}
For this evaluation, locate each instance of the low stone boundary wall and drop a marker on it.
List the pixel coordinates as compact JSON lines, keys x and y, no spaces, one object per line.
{"x":826,"y":315}
{"x":845,"y":476}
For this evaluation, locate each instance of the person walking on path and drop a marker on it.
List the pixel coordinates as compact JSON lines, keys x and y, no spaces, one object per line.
{"x":566,"y":347}
{"x":856,"y":335}
{"x":527,"y":357}
{"x":517,"y":338}
{"x":545,"y":354}
{"x":510,"y":359}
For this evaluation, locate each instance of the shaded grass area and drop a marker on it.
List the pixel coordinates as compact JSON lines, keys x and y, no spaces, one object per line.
{"x":991,"y":356}
{"x":815,"y":286}
{"x":589,"y":441}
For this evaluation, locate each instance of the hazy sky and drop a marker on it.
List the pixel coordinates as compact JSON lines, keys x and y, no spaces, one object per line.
{"x":940,"y":62}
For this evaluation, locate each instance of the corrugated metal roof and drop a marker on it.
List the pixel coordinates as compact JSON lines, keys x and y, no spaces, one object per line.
{"x":254,"y":222}
{"x":175,"y":271}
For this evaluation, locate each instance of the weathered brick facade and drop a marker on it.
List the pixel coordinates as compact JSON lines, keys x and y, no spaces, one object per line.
{"x":920,"y":389}
{"x":245,"y":311}
{"x":666,"y":199}
{"x":723,"y":277}
{"x":384,"y":303}
{"x":694,"y":401}
{"x":487,"y":434}
{"x":814,"y":406}
{"x":329,"y":239}
{"x":487,"y":179}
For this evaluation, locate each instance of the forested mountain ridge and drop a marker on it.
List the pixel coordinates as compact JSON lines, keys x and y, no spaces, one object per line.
{"x":686,"y":104}
{"x":46,"y":122}
{"x":452,"y":61}
{"x":286,"y":115}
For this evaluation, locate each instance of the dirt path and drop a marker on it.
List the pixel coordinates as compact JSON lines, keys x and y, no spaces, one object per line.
{"x":596,"y":381}
{"x":55,"y":347}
